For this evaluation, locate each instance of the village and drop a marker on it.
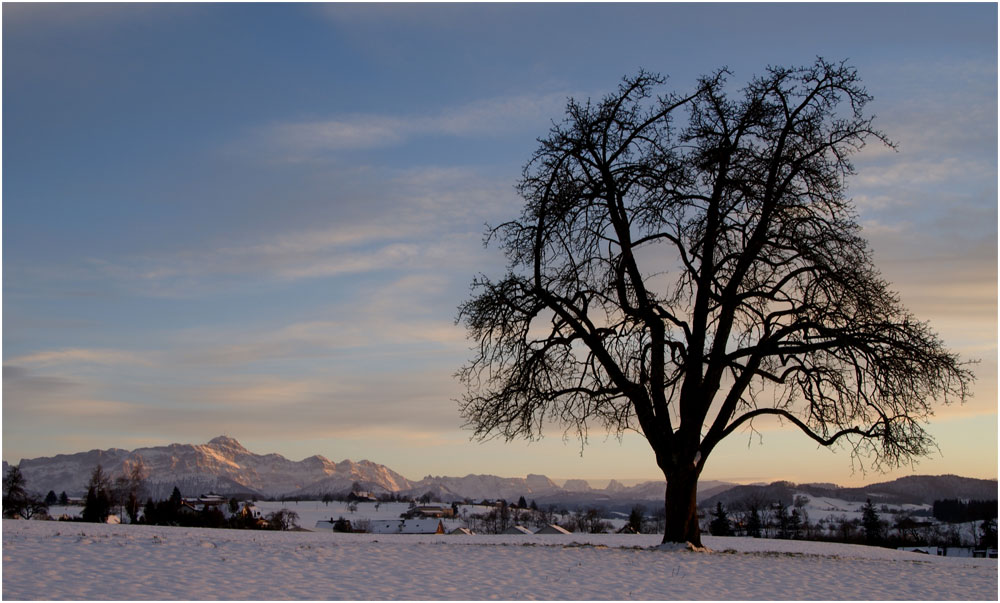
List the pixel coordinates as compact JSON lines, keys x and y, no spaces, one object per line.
{"x":907,"y":527}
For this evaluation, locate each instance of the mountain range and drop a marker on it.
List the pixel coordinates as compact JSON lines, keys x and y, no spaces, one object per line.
{"x":224,"y":466}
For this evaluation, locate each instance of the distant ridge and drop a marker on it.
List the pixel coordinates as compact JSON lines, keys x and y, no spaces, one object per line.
{"x":912,"y":489}
{"x":224,"y":466}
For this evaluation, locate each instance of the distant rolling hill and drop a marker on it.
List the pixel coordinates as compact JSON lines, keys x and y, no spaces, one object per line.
{"x":913,"y":489}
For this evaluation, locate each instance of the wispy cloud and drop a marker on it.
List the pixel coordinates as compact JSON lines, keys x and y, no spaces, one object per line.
{"x":424,"y":218}
{"x":81,"y":356}
{"x":375,"y":322}
{"x":307,"y":140}
{"x":88,"y":14}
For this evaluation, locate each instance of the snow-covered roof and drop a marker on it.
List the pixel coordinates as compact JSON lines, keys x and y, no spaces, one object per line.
{"x":552,"y":529}
{"x":407,"y":526}
{"x":384,"y":526}
{"x":517,"y":530}
{"x":464,"y":531}
{"x":421,"y":526}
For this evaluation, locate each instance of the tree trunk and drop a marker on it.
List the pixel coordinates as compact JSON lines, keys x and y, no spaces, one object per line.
{"x":682,"y":508}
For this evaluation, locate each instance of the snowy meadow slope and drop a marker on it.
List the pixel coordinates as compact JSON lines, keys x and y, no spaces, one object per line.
{"x":61,"y":560}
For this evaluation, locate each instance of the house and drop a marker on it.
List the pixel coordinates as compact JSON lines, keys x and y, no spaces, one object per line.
{"x":407,"y":526}
{"x":212,"y":500}
{"x":430,"y":511}
{"x":552,"y":529}
{"x":248,"y":510}
{"x":187,"y":508}
{"x":462,"y":531}
{"x":519,"y":530}
{"x":206,"y":502}
{"x":361,"y":496}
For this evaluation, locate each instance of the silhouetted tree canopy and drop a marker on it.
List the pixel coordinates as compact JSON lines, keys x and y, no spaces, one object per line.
{"x":688,"y":263}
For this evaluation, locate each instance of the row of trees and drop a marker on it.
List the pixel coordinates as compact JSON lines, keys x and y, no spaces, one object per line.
{"x":954,"y":510}
{"x":777,"y":520}
{"x":123,"y":495}
{"x":756,"y":521}
{"x":173,"y":512}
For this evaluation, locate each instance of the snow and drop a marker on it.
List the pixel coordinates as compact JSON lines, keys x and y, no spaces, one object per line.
{"x":63,"y":560}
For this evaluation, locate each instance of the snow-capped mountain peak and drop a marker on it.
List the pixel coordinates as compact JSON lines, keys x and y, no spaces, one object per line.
{"x":222,"y":465}
{"x":228,"y":444}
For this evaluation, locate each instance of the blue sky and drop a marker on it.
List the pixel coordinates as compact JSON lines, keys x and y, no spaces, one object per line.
{"x":258,"y":220}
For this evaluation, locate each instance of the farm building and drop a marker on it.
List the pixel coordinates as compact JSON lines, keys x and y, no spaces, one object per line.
{"x":407,"y":526}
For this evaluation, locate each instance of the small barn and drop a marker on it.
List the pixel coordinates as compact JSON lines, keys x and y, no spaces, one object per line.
{"x":462,"y":531}
{"x":552,"y":529}
{"x":519,"y":530}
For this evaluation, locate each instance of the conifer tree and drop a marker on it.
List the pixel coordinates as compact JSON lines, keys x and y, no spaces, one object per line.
{"x":720,"y":525}
{"x":871,"y":523}
{"x":753,"y":523}
{"x":794,"y":524}
{"x":781,"y":518}
{"x":97,"y":505}
{"x":176,"y":499}
{"x":635,"y":518}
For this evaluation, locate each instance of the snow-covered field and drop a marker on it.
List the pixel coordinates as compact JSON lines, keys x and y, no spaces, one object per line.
{"x":62,"y":560}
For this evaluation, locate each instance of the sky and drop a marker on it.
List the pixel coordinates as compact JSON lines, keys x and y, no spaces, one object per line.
{"x":259,"y":220}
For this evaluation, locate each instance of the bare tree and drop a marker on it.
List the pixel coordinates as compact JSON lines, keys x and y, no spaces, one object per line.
{"x":687,"y":264}
{"x":283,"y":519}
{"x":17,"y":501}
{"x":15,"y":495}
